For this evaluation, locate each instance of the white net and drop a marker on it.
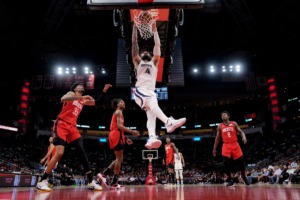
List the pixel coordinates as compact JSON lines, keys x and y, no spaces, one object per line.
{"x":144,"y":21}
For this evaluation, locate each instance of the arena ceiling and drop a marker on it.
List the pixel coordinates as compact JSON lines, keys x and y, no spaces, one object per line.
{"x":263,"y":34}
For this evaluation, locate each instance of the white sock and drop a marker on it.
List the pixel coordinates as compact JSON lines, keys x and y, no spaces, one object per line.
{"x":151,"y":123}
{"x":159,"y":114}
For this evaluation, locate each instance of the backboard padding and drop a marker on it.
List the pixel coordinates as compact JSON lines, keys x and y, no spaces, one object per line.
{"x":143,"y":4}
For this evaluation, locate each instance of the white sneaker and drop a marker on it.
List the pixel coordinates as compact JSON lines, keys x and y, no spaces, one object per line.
{"x":172,"y":124}
{"x":102,"y":179}
{"x":94,"y":186}
{"x":153,"y":143}
{"x":43,"y":185}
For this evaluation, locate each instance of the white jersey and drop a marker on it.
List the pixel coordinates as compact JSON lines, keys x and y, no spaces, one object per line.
{"x":178,"y":161}
{"x":146,"y":73}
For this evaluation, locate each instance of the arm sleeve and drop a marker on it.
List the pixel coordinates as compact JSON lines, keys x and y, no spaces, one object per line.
{"x":100,"y":98}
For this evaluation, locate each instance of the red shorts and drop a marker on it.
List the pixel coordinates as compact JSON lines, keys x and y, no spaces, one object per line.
{"x":115,"y":140}
{"x":232,"y":150}
{"x":169,"y":160}
{"x":67,"y":131}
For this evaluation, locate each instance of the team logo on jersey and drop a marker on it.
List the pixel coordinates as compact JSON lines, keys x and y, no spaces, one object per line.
{"x":146,"y":65}
{"x":227,"y":129}
{"x":77,"y":104}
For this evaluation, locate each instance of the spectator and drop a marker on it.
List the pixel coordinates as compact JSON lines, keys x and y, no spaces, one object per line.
{"x":274,"y":178}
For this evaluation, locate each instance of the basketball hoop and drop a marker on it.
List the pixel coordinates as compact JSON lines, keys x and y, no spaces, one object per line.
{"x":150,"y":157}
{"x":143,"y":21}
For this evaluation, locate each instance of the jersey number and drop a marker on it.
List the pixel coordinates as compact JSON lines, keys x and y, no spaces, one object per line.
{"x":228,"y":135}
{"x":147,"y":71}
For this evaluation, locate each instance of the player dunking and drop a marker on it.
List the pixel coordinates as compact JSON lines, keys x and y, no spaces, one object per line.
{"x":145,"y":96}
{"x":228,"y":131}
{"x":117,"y":141}
{"x":66,"y":132}
{"x":170,"y":150}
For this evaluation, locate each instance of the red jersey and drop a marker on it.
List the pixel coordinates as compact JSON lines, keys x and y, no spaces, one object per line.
{"x":169,"y":153}
{"x":113,"y":123}
{"x":228,"y":132}
{"x":71,"y":110}
{"x":116,"y":136}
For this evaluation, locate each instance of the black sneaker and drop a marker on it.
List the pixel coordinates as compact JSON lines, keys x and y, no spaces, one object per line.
{"x":50,"y":183}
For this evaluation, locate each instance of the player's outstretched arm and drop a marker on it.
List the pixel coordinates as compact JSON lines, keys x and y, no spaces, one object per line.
{"x":156,"y":49}
{"x":136,"y":59}
{"x":102,"y":95}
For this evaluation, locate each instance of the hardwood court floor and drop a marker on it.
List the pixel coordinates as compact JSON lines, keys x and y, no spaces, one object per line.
{"x":159,"y":192}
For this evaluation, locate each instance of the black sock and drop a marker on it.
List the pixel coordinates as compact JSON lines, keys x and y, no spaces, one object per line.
{"x":170,"y":178}
{"x":229,"y":177}
{"x":115,"y":179}
{"x":89,"y":176}
{"x":50,"y":178}
{"x":173,"y":177}
{"x":45,"y":176}
{"x":107,"y":171}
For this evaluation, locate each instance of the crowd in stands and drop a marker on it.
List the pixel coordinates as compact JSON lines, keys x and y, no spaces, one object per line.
{"x":270,"y":158}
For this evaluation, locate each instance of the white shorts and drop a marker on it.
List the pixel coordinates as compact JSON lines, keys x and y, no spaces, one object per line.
{"x":146,"y":99}
{"x":178,"y":166}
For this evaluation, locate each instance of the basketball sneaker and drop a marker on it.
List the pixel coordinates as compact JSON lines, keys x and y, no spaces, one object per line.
{"x":102,"y":179}
{"x":116,"y":187}
{"x":94,"y":186}
{"x":172,"y":124}
{"x":153,"y":143}
{"x":50,"y":183}
{"x":43,"y":186}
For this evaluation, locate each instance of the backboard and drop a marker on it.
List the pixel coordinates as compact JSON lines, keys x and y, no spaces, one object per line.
{"x":144,"y":4}
{"x":149,"y":153}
